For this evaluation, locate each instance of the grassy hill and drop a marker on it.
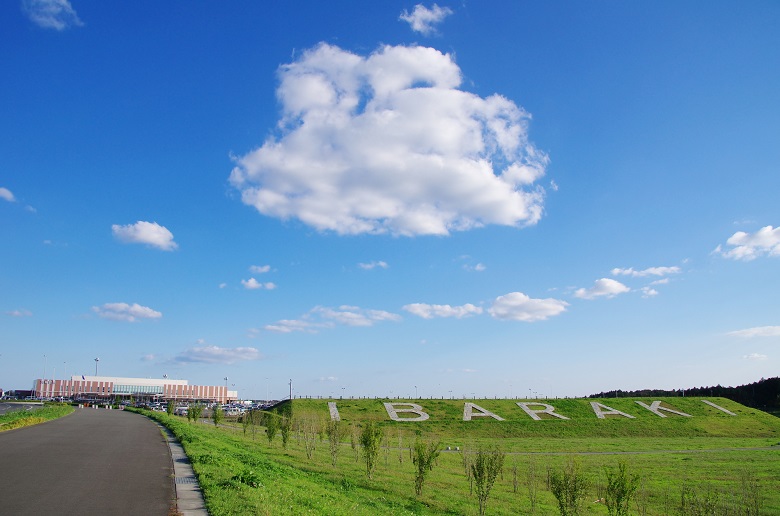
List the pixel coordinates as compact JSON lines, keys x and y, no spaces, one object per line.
{"x":446,"y":418}
{"x":709,"y":463}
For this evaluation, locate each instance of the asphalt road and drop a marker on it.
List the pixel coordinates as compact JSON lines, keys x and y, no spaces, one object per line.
{"x":92,"y":462}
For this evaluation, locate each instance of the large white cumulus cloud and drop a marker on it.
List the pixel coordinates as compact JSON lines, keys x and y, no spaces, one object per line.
{"x":388,"y":144}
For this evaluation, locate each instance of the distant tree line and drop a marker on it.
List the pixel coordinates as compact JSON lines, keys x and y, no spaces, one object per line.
{"x":763,"y":395}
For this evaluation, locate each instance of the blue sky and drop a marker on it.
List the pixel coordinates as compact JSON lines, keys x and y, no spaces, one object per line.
{"x":383,"y":199}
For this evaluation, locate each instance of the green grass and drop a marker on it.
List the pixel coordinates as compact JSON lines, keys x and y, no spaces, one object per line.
{"x":22,"y":418}
{"x":711,"y":452}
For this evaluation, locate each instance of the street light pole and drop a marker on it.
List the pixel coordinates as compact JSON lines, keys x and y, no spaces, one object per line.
{"x":96,"y":366}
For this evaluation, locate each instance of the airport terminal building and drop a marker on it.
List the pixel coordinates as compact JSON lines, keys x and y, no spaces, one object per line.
{"x":140,"y":389}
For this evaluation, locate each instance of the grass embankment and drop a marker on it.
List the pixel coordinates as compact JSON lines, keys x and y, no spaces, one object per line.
{"x":708,"y":453}
{"x":21,"y":418}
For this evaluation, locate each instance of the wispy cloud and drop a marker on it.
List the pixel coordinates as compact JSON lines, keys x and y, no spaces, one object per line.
{"x":747,"y":246}
{"x":427,"y":311}
{"x":424,"y":20}
{"x":755,"y":356}
{"x":389,"y":143}
{"x":321,"y":317}
{"x":19,"y":313}
{"x":373,"y":265}
{"x":7,"y":195}
{"x":51,"y":14}
{"x":125,"y":312}
{"x":475,"y":268}
{"x":210,"y":354}
{"x":758,"y":331}
{"x":259,"y":269}
{"x":149,"y":233}
{"x":651,"y":271}
{"x":517,"y":306}
{"x":604,"y":287}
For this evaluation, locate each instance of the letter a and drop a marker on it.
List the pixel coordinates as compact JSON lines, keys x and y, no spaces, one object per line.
{"x":609,"y":412}
{"x":414,"y":408}
{"x":468,"y":412}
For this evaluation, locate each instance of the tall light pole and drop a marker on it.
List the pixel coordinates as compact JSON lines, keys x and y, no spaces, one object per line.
{"x":44,"y":367}
{"x":96,"y":365}
{"x":226,"y":381}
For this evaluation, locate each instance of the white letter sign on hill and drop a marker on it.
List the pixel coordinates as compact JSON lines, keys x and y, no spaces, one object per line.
{"x":468,"y":412}
{"x":656,"y":408}
{"x":711,"y":404}
{"x":548,"y":409}
{"x":334,"y":412}
{"x":609,"y":412}
{"x":414,"y":408}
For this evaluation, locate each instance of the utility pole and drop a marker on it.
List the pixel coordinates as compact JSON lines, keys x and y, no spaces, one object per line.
{"x":96,"y":364}
{"x":291,"y":389}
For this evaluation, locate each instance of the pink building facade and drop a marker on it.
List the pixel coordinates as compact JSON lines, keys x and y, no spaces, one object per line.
{"x":104,"y":387}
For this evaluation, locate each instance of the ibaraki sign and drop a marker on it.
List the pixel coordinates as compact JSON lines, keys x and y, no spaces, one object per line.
{"x":411,"y":412}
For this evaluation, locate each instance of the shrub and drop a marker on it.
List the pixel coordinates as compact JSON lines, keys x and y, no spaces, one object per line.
{"x":217,"y":415}
{"x":569,"y":487}
{"x":370,"y":439}
{"x":334,"y":430}
{"x":271,"y":425}
{"x":620,"y":489}
{"x":424,"y":456}
{"x":485,"y":468}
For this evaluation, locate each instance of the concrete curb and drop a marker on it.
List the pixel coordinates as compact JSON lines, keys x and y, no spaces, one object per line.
{"x":189,"y":498}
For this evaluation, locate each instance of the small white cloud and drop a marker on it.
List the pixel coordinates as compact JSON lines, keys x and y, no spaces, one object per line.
{"x":746,"y":246}
{"x":755,"y":356}
{"x":389,"y":143}
{"x":475,"y":268}
{"x":328,"y":379}
{"x":423,"y":20}
{"x":19,"y":313}
{"x":759,"y":331}
{"x":217,"y":355}
{"x":125,"y":312}
{"x":321,"y":317}
{"x":6,"y":195}
{"x":651,"y":271}
{"x":51,"y":14}
{"x":149,"y":358}
{"x":649,"y":292}
{"x":373,"y":265}
{"x":427,"y":311}
{"x":149,"y":233}
{"x":259,"y":269}
{"x":517,"y":306}
{"x":253,"y":284}
{"x":604,"y":287}
{"x":222,"y":285}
